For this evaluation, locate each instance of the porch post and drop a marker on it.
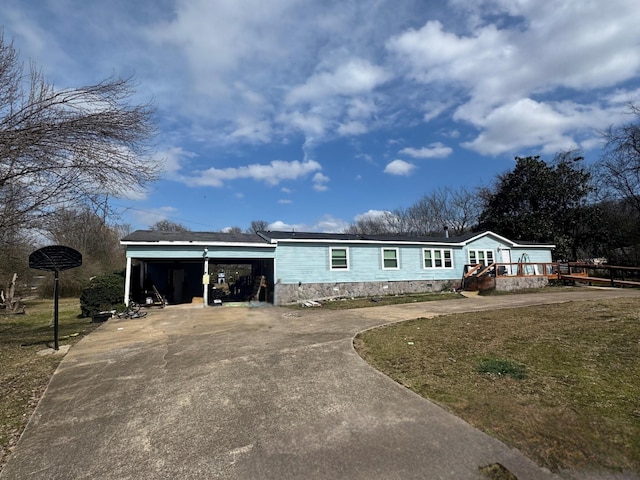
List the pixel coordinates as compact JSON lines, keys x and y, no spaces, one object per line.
{"x":205,"y":278}
{"x":127,"y":282}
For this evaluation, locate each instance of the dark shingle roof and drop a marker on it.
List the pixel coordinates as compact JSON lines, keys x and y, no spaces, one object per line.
{"x":213,"y":237}
{"x":150,"y":236}
{"x":359,"y":237}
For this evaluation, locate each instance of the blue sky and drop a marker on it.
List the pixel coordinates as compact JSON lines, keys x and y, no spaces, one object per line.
{"x":309,"y":114}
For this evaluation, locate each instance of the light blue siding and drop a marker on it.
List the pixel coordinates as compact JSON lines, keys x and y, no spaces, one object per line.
{"x":299,"y":262}
{"x":310,"y":263}
{"x":536,"y":255}
{"x":490,"y":242}
{"x":197,"y":252}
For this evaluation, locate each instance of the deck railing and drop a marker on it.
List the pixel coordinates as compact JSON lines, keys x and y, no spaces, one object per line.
{"x":613,"y":275}
{"x":514,"y":269}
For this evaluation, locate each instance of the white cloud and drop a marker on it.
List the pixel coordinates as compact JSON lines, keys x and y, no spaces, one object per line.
{"x":433,"y":54}
{"x":380,"y":217}
{"x":152,"y":216}
{"x":285,"y":201}
{"x":451,"y":133}
{"x":262,"y":70}
{"x":252,"y":130}
{"x":311,"y":124}
{"x":280,"y":226}
{"x":433,"y":109}
{"x":352,"y":128}
{"x":518,"y":58}
{"x":624,"y":97}
{"x":372,"y":214}
{"x":319,"y":181}
{"x":434,"y":150}
{"x":358,"y":108}
{"x":272,"y":174}
{"x":172,"y":159}
{"x":326,"y":224}
{"x":399,"y":167}
{"x":334,"y":101}
{"x":218,"y":38}
{"x":329,"y":224}
{"x":543,"y":47}
{"x":364,"y":156}
{"x":526,"y":123}
{"x":355,"y":77}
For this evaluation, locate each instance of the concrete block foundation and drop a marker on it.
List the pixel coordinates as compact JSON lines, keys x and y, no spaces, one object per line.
{"x":510,"y":284}
{"x":294,"y":293}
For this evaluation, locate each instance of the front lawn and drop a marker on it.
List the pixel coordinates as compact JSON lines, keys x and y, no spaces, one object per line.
{"x":24,"y":374}
{"x":559,"y":382}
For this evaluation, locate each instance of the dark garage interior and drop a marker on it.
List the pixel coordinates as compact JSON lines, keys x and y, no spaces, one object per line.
{"x":181,"y":281}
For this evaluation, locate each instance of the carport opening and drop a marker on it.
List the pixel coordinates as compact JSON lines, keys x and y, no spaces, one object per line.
{"x":240,"y":282}
{"x":180,"y":281}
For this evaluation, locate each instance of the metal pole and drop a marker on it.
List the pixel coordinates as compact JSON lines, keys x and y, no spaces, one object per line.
{"x":55,"y":311}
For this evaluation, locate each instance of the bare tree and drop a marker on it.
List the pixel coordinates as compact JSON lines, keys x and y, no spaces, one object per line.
{"x":15,"y":247}
{"x":60,"y":148}
{"x":85,"y":230}
{"x":458,"y":210}
{"x":620,"y":165}
{"x":374,"y":223}
{"x":445,"y":207}
{"x":258,"y":226}
{"x":168,"y":226}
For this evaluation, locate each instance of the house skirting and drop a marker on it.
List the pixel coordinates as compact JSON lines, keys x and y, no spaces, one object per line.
{"x":295,"y":293}
{"x":509,"y":284}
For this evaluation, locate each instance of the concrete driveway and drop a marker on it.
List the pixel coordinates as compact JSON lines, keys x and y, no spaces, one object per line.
{"x":253,"y":393}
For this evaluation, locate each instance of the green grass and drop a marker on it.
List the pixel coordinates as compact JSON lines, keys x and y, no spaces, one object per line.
{"x":575,"y":400}
{"x":498,"y":366}
{"x":24,"y":374}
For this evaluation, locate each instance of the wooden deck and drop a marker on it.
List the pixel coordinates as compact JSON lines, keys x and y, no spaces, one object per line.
{"x":600,"y":280}
{"x":579,"y":272}
{"x":612,"y":275}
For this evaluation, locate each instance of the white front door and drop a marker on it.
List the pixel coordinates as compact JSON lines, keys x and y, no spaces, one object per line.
{"x":506,"y":258}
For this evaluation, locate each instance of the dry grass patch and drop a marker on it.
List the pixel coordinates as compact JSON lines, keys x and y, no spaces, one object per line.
{"x":24,"y":374}
{"x":559,"y":382}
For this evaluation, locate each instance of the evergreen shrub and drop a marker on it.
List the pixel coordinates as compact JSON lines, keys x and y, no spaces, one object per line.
{"x":104,"y":292}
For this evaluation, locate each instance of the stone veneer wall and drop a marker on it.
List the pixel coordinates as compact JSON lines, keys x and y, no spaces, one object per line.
{"x":292,"y":293}
{"x":509,"y":284}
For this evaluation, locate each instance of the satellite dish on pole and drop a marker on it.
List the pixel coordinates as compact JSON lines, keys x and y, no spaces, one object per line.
{"x":55,"y":258}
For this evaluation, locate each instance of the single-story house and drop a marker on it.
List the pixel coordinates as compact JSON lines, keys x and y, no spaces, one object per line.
{"x":289,"y":267}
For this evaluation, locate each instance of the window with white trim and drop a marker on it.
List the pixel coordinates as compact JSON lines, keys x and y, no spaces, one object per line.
{"x":437,"y":258}
{"x":390,"y":259}
{"x":482,"y":257}
{"x":339,"y":258}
